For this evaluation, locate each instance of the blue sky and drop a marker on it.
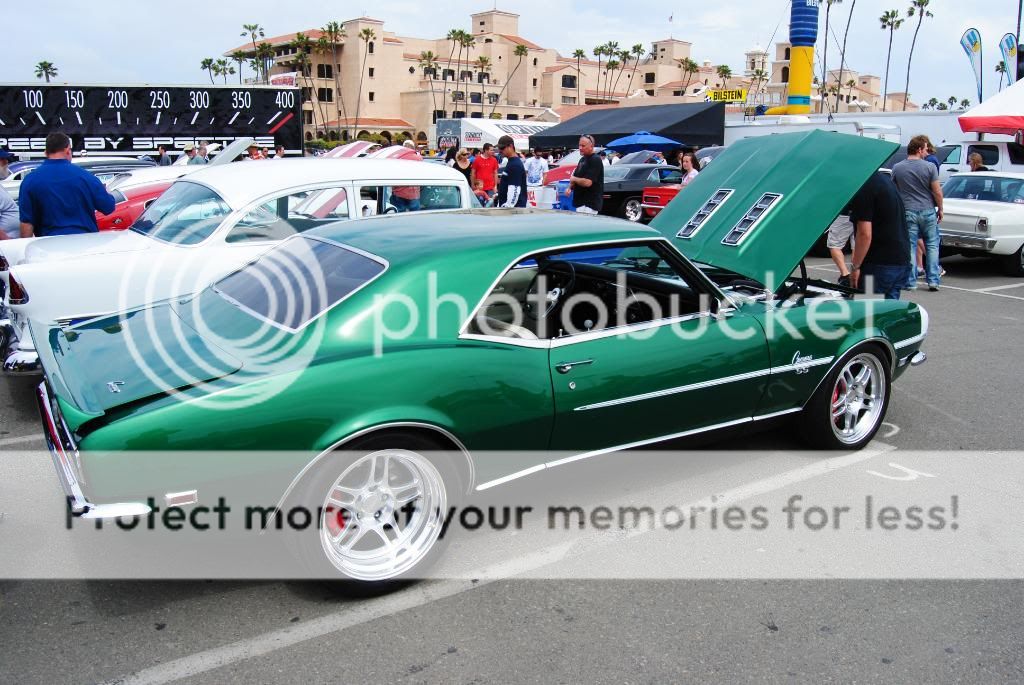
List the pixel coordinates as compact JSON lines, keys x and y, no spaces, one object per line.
{"x":141,"y":41}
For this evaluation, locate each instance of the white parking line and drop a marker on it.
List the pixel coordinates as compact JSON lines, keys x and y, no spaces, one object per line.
{"x":1000,"y":287}
{"x":980,"y":292}
{"x":20,"y":439}
{"x":429,"y":592}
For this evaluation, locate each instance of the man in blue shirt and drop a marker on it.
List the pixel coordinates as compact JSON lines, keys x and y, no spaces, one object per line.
{"x":512,"y":187}
{"x":59,"y":198}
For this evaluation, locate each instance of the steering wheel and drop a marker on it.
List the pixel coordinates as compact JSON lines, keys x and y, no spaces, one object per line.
{"x":562,"y":277}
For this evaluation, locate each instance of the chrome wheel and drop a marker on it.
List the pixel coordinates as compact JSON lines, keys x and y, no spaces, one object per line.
{"x":858,"y":399}
{"x":383,"y":515}
{"x":631,"y":210}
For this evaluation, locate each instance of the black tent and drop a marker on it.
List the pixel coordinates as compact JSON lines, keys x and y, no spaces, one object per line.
{"x":698,"y":125}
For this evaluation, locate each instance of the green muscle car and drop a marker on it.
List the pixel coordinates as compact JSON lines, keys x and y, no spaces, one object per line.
{"x":368,"y":368}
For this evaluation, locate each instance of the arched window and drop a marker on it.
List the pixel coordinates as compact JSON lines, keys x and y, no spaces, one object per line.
{"x":369,"y":47}
{"x":386,"y":135}
{"x":786,"y":54}
{"x":785,"y":74}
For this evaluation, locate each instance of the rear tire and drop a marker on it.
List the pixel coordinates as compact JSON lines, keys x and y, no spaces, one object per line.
{"x":850,"y":404}
{"x":630,"y":210}
{"x":361,"y":496}
{"x":1013,"y":265}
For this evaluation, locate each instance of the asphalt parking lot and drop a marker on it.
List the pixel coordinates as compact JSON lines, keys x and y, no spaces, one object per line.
{"x":840,"y":606}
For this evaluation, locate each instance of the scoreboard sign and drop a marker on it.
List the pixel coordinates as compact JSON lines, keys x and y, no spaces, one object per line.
{"x":135,"y":120}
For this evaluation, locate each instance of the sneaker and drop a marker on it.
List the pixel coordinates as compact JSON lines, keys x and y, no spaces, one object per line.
{"x":844,"y":280}
{"x":910,"y":286}
{"x":933,"y":288}
{"x":942,"y":272}
{"x":921,"y":275}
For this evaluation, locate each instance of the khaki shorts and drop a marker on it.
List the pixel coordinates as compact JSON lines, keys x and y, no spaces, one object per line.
{"x":839,"y":233}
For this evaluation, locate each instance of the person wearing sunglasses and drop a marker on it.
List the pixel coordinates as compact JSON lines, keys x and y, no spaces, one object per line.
{"x":512,"y":188}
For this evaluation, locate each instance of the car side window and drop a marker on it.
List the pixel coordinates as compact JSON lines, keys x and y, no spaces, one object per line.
{"x":989,"y":153}
{"x":286,"y":215}
{"x":590,"y":289}
{"x":1016,"y":153}
{"x":670,"y":175}
{"x":414,"y":197}
{"x":954,"y":156}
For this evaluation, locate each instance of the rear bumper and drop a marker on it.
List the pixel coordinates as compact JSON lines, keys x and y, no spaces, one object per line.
{"x":967,"y":241}
{"x":18,"y":354}
{"x":67,"y":463}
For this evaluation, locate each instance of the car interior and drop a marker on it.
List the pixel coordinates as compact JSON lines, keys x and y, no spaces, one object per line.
{"x":551,"y":295}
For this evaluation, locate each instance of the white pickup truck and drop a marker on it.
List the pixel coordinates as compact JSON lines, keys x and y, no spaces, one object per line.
{"x":997,"y":156}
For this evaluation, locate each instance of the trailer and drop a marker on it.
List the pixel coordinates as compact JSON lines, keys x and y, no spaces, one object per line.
{"x":134,"y":120}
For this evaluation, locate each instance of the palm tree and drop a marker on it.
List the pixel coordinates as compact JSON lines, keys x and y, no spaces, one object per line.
{"x":428,"y":63}
{"x":303,"y":46}
{"x":453,"y":37}
{"x":952,"y":101}
{"x":1001,"y":70}
{"x":890,"y":21}
{"x":689,"y":68}
{"x":483,"y":66}
{"x":265,"y":55}
{"x":842,"y":52}
{"x":366,"y":35}
{"x":610,"y":68}
{"x":933,"y":103}
{"x":850,"y":85}
{"x":965,"y":103}
{"x":760,"y":76}
{"x":942,"y":106}
{"x":239,"y":57}
{"x":599,"y":53}
{"x":322,"y":48}
{"x":519,"y":52}
{"x":611,"y":51}
{"x":920,"y":8}
{"x":254,"y":31}
{"x":207,"y":65}
{"x":46,"y":70}
{"x":224,"y":69}
{"x":469,"y":42}
{"x":580,"y":56}
{"x":333,"y":33}
{"x":724,"y":73}
{"x":638,"y":53}
{"x":824,"y":52}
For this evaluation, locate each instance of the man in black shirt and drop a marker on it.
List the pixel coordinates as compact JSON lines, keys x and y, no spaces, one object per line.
{"x":587,"y":183}
{"x":882,"y":248}
{"x":512,"y":184}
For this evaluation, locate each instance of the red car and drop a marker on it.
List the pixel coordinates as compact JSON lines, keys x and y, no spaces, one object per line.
{"x":131,"y":202}
{"x":655,"y":198}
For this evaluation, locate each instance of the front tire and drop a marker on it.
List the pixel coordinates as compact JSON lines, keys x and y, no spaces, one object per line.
{"x":848,"y":408}
{"x":380,"y":508}
{"x":1013,"y":265}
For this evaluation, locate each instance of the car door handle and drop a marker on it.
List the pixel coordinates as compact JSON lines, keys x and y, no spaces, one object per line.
{"x":566,"y":367}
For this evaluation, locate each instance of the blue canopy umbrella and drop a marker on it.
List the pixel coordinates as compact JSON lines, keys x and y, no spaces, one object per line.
{"x":643,"y":140}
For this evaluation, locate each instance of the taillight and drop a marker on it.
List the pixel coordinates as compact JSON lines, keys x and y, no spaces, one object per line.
{"x":17,"y":294}
{"x":4,"y":266}
{"x":982,"y":226}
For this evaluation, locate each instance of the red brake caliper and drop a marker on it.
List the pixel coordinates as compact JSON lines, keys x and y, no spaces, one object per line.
{"x":335,"y":519}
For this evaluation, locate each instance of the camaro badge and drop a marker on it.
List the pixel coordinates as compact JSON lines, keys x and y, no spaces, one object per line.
{"x":114,"y":386}
{"x":802,"y":364}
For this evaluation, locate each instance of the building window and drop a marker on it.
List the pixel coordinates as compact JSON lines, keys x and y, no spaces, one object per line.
{"x":447,"y":74}
{"x":534,"y":83}
{"x":371,"y":94}
{"x":325,"y":94}
{"x":568,"y":81}
{"x":567,"y":100}
{"x":492,"y":98}
{"x":369,"y":47}
{"x":458,"y":95}
{"x":678,"y":93}
{"x":476,"y":115}
{"x":307,"y":117}
{"x":439,"y":114}
{"x":513,"y":117}
{"x":650,"y":92}
{"x":534,"y":61}
{"x":481,"y":23}
{"x":649,"y":77}
{"x":785,"y":74}
{"x":324,"y":71}
{"x":466,"y":76}
{"x":786,"y":54}
{"x":307,"y":94}
{"x":370,"y":72}
{"x":483,"y":77}
{"x":429,"y":72}
{"x":475,"y":98}
{"x":458,"y":114}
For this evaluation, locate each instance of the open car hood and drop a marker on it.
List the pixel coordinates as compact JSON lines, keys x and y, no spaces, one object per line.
{"x":764,"y":202}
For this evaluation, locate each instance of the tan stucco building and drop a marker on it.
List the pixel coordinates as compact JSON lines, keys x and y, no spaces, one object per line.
{"x":402,"y":96}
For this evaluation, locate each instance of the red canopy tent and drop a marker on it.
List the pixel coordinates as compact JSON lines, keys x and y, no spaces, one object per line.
{"x":1002,"y":113}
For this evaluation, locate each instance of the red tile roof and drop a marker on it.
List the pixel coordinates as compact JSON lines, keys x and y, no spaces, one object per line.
{"x":372,"y":123}
{"x":567,"y":112}
{"x":518,"y":40}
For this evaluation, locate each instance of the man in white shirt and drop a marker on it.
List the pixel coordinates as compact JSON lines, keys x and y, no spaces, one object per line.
{"x":536,"y":167}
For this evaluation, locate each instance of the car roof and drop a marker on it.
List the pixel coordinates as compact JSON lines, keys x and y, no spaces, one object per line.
{"x":241,"y":182}
{"x":980,"y":174}
{"x":499,"y":235}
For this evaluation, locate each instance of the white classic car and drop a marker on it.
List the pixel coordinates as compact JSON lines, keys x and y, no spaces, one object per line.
{"x":203,"y":227}
{"x":984,"y":216}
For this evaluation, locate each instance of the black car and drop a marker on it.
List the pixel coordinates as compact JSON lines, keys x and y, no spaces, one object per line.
{"x":624,"y":185}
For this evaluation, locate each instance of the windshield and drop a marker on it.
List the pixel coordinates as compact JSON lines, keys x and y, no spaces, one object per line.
{"x":616,"y":173}
{"x":186,"y":214}
{"x":298,"y":280}
{"x":987,"y":188}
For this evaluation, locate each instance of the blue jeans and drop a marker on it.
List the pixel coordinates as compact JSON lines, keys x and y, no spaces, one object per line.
{"x":886,"y":280}
{"x":403,"y":205}
{"x":924,"y":224}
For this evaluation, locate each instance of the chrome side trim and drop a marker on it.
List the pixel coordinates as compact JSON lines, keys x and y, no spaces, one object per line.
{"x":374,"y":429}
{"x":674,"y":391}
{"x":925,"y":322}
{"x":909,"y":341}
{"x":773,"y":415}
{"x":618,"y":448}
{"x":789,"y":368}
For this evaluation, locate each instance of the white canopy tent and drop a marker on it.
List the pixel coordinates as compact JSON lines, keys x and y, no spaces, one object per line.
{"x":1001,"y":113}
{"x":473,"y":133}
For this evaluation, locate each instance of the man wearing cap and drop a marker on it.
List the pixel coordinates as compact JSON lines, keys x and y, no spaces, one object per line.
{"x":190,"y":152}
{"x":59,"y":198}
{"x":254,"y":152}
{"x":6,"y":157}
{"x":512,"y":188}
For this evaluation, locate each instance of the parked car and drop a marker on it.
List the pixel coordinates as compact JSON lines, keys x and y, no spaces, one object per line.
{"x":104,"y":168}
{"x":180,"y":167}
{"x":984,"y":217}
{"x":378,"y":442}
{"x":626,"y":184}
{"x":656,"y":198}
{"x":130,"y":203}
{"x":200,"y":228}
